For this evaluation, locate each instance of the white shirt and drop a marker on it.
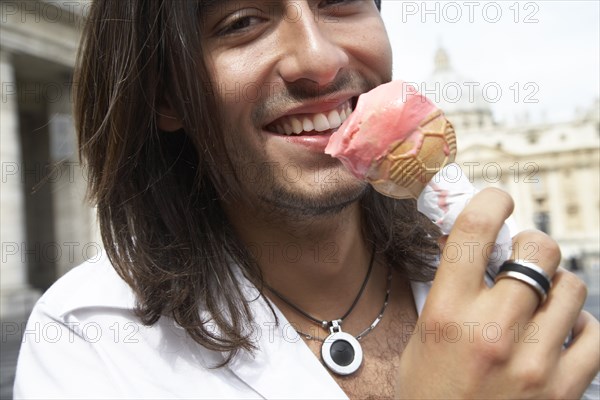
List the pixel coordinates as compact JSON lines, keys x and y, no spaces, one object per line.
{"x":83,"y":340}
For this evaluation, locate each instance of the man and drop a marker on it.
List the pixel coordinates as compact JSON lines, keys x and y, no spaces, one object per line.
{"x":203,"y":125}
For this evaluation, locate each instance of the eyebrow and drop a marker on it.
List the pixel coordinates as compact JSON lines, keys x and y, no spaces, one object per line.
{"x":204,"y":5}
{"x":210,"y":5}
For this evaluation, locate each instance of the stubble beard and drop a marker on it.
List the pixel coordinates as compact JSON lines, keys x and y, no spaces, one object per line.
{"x":274,"y":197}
{"x":325,"y":200}
{"x":269,"y":192}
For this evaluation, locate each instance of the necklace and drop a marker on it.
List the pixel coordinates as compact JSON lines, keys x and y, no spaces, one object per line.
{"x":367,"y":330}
{"x":341,"y":352}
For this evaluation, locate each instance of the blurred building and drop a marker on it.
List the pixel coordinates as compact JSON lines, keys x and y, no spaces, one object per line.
{"x":552,"y":170}
{"x":46,"y":228}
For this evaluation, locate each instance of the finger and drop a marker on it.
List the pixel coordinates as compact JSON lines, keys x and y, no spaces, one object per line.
{"x":464,"y":258}
{"x":557,"y":316}
{"x":519,"y":299}
{"x":442,"y":241}
{"x":581,"y":361}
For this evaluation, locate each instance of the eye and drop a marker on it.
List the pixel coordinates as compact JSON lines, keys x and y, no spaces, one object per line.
{"x":328,"y":3}
{"x":342,"y":8}
{"x":238,"y":23}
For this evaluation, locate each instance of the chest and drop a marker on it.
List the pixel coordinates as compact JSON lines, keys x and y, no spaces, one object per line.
{"x":382,"y":350}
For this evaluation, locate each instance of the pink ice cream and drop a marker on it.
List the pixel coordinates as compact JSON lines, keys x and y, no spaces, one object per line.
{"x":395,"y":135}
{"x":403,"y":145}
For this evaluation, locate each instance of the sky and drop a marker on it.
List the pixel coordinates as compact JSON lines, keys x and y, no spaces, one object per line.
{"x":537,"y":60}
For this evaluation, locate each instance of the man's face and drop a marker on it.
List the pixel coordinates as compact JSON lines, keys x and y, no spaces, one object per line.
{"x":286,"y":74}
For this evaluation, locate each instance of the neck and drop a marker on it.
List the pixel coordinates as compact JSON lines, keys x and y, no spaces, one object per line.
{"x":319,"y":264}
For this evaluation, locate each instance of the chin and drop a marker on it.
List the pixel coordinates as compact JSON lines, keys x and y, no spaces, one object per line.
{"x":324,"y":199}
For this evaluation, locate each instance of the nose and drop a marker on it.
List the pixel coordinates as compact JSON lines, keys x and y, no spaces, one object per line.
{"x":309,"y":48}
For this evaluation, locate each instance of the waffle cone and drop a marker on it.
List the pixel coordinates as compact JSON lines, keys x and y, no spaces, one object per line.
{"x":409,"y":165}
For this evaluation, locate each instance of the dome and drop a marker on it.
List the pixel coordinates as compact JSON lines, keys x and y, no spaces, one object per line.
{"x":451,"y":91}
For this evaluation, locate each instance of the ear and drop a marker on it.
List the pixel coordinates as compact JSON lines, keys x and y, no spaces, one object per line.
{"x":168,"y":120}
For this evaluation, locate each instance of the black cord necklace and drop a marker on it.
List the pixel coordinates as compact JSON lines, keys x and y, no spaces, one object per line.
{"x":341,"y":352}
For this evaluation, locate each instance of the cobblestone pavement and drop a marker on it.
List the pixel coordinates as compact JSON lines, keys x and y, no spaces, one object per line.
{"x":9,"y":345}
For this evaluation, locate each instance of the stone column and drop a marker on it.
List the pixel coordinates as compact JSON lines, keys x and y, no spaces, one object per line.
{"x":16,"y":297}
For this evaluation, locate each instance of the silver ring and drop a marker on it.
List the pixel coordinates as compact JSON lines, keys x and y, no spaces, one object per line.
{"x":528,"y":273}
{"x":534,"y":267}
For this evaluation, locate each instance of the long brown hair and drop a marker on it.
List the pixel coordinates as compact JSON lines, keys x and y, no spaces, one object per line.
{"x":158,"y":193}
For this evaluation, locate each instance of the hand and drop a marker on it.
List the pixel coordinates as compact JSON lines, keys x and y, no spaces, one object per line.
{"x":473,"y":341}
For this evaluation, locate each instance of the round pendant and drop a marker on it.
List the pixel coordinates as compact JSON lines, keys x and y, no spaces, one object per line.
{"x":342,"y":353}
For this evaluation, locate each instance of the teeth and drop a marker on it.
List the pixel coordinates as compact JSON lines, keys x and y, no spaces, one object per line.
{"x":308,"y":125}
{"x":319,"y":122}
{"x":296,"y":125}
{"x":334,"y":119}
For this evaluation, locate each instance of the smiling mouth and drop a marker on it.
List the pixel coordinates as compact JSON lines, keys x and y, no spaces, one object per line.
{"x":312,"y":124}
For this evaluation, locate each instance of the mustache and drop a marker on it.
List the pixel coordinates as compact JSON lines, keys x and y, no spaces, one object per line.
{"x":284,"y":96}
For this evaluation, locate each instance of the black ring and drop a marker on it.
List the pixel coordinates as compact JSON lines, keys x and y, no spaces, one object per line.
{"x":536,"y":276}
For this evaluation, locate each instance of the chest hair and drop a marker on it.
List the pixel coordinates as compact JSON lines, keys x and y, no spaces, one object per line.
{"x":382,"y":349}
